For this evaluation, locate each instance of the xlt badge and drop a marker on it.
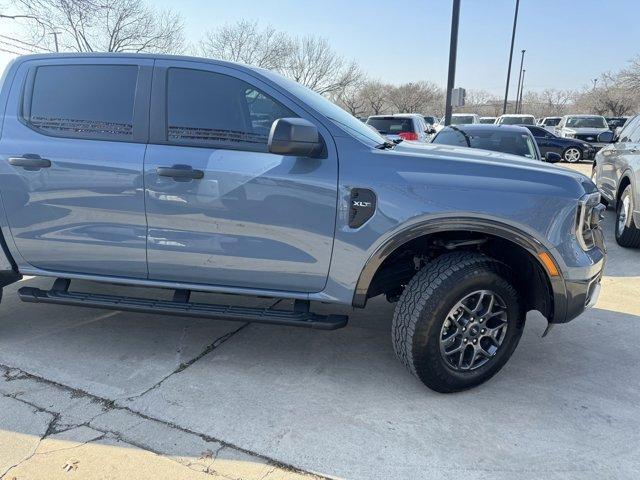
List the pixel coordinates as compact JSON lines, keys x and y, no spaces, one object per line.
{"x":363,"y":206}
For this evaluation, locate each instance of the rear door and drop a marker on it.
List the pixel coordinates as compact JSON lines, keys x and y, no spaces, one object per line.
{"x":71,"y":162}
{"x":610,"y":164}
{"x":229,"y":213}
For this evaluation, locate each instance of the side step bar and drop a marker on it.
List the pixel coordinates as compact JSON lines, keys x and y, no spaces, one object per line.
{"x":181,"y":306}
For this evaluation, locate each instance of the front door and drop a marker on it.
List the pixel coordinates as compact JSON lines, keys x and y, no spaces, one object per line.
{"x":221,"y":209}
{"x":71,"y":163}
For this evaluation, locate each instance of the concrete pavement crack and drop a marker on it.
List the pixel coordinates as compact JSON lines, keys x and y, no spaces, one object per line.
{"x":50,"y":427}
{"x":208,"y":349}
{"x":114,"y":405}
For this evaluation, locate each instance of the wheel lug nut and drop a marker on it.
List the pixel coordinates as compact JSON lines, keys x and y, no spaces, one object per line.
{"x":475,"y":341}
{"x":481,"y":320}
{"x":464,"y":340}
{"x":482,"y":331}
{"x":464,"y":329}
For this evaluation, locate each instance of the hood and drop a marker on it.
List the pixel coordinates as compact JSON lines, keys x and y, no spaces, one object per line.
{"x":585,"y":131}
{"x":504,"y":160}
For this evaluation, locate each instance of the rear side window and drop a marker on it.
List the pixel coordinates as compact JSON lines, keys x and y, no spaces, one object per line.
{"x":83,"y":101}
{"x":391,"y":125}
{"x":212,"y":109}
{"x":551,"y":122}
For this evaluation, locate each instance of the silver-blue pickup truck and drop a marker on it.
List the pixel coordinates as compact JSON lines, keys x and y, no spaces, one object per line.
{"x":191,"y":174}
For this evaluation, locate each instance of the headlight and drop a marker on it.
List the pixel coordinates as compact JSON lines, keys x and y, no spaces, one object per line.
{"x":590,"y":214}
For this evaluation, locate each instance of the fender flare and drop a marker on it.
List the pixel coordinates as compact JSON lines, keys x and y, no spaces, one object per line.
{"x":480,"y":225}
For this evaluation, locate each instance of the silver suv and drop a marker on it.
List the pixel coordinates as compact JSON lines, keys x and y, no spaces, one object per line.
{"x":616,"y":171}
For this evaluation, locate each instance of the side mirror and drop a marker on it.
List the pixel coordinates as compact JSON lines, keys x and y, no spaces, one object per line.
{"x":605,"y":137}
{"x":295,"y":136}
{"x":552,"y":157}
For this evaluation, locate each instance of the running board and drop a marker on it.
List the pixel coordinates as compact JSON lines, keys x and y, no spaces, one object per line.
{"x":181,"y":306}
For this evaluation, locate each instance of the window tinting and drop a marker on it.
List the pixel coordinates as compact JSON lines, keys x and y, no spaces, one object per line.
{"x":538,"y":132}
{"x":506,"y":142}
{"x":85,"y":101}
{"x":451,"y":137}
{"x":205,"y":107}
{"x":391,"y":125}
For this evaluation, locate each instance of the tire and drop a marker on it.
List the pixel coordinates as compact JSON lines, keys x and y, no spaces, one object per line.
{"x":572,"y":155}
{"x":627,"y":232}
{"x":424,"y":307}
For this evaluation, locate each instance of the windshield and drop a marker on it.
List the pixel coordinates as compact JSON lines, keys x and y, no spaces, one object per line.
{"x":391,"y":125}
{"x":461,"y":119}
{"x":487,"y":120}
{"x":510,"y":120}
{"x":328,"y":109}
{"x":551,"y":122}
{"x":587,"y":122}
{"x":515,"y":143}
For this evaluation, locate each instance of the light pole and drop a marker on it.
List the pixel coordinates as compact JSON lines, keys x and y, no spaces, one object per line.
{"x":519,"y":78}
{"x":453,"y":50}
{"x":519,"y":102}
{"x":513,"y":38}
{"x":55,"y":40}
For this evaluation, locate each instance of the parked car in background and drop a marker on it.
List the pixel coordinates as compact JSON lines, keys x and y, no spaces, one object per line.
{"x":463,"y":119}
{"x":583,"y":127}
{"x":487,"y":120}
{"x":401,"y":126}
{"x":198,"y":191}
{"x":512,"y":139}
{"x":430,"y":120}
{"x":571,"y":150}
{"x":616,"y":172}
{"x":616,"y":122}
{"x":549,"y":123}
{"x":516,"y":119}
{"x":459,"y":119}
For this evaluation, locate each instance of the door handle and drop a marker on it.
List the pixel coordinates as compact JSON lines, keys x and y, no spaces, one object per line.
{"x":30,"y":161}
{"x":180,"y":172}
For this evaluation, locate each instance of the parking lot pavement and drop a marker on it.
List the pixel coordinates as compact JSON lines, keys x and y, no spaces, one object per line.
{"x":87,"y":391}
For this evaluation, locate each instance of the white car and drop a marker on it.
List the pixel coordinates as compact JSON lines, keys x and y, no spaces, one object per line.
{"x":401,"y":126}
{"x":583,"y":127}
{"x":516,"y":119}
{"x":549,"y":123}
{"x":460,"y":119}
{"x":488,"y":120}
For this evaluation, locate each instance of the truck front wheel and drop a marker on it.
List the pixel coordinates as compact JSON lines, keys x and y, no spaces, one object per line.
{"x":458,"y":321}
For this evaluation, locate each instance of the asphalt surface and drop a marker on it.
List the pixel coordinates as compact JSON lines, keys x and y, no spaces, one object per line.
{"x":96,"y":394}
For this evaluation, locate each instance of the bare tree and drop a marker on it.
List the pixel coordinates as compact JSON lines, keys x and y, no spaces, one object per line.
{"x":104,"y":25}
{"x":315,"y":64}
{"x":375,"y":93}
{"x":414,"y":97}
{"x":613,"y":96}
{"x":245,"y":42}
{"x":630,"y":76}
{"x":351,"y":99}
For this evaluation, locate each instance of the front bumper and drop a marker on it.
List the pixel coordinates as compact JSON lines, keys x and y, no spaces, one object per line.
{"x":577,"y":295}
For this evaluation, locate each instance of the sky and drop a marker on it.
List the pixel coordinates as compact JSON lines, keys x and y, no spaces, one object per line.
{"x":568,"y":42}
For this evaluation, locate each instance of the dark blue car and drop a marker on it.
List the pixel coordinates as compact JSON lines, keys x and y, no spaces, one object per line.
{"x":570,"y":149}
{"x":513,"y":139}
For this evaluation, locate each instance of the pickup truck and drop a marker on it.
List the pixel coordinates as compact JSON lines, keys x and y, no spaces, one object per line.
{"x":191,"y":174}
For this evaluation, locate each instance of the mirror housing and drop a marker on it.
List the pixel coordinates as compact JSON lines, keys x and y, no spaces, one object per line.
{"x":552,"y":157}
{"x":606,"y":137}
{"x":295,"y":136}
